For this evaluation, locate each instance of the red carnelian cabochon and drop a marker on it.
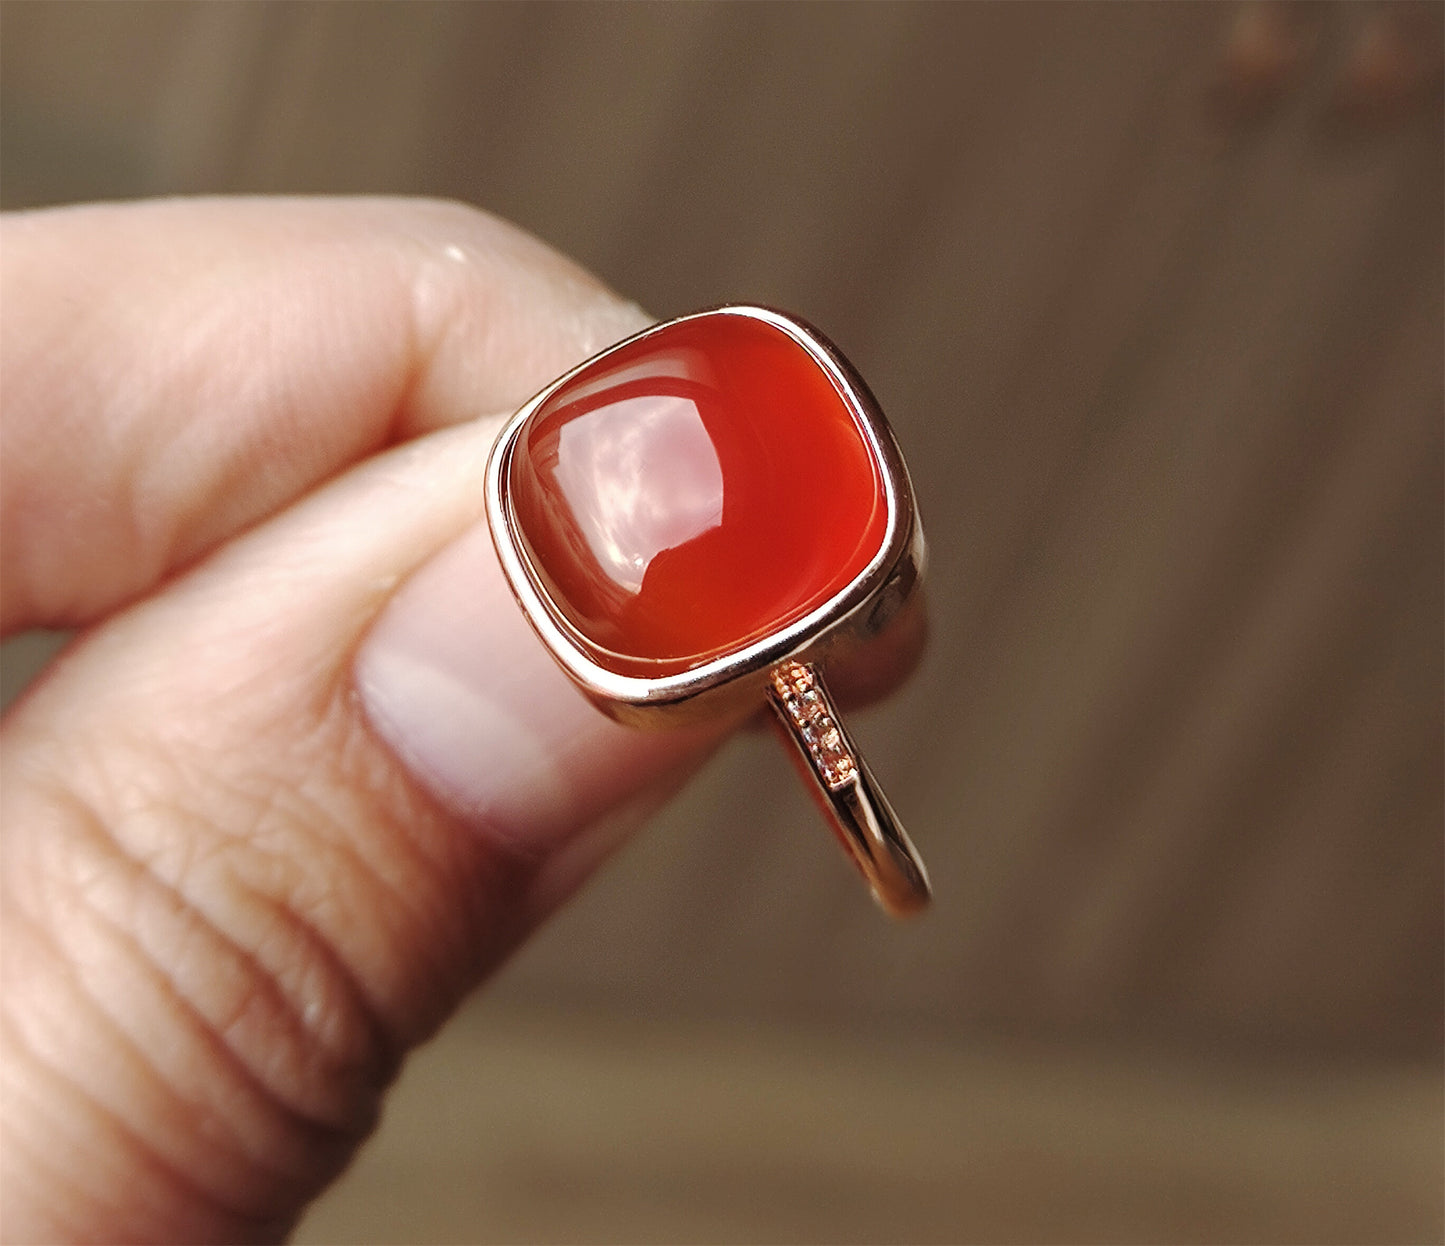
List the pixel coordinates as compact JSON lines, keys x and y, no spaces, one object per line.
{"x":694,"y":491}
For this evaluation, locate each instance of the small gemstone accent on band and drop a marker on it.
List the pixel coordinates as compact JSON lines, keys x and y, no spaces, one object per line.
{"x":805,"y":703}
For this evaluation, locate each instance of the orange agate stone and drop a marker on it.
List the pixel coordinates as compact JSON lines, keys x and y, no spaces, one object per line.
{"x":694,"y":491}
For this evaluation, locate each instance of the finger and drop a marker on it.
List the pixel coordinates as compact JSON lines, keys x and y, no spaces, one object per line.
{"x":176,"y":371}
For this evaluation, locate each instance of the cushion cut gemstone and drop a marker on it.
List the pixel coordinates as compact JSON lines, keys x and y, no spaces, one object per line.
{"x":693,"y":492}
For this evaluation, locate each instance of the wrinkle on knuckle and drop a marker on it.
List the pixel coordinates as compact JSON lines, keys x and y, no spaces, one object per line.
{"x":108,"y":1076}
{"x":209,"y":914}
{"x":71,"y":1162}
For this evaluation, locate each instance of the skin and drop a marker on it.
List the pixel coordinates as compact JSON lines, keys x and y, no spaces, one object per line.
{"x":244,"y":870}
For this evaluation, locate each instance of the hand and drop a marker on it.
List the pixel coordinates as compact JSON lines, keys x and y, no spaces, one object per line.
{"x":306,"y":775}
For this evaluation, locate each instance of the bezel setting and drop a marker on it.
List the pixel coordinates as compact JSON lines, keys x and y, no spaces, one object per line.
{"x":861,"y":608}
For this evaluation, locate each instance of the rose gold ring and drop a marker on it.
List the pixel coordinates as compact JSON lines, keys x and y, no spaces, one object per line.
{"x":704,"y":515}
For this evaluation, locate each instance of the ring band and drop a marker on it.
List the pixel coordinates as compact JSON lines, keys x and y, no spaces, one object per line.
{"x":858,"y":812}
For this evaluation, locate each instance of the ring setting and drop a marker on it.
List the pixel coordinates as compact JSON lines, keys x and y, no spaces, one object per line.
{"x":700,"y":517}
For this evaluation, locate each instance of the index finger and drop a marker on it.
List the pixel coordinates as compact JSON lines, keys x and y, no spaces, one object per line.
{"x":176,"y":371}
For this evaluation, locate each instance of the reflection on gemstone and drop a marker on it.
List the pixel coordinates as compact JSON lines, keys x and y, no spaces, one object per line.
{"x":653,"y":477}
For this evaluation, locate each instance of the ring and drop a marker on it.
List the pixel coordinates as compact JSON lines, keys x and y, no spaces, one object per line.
{"x":703,"y":516}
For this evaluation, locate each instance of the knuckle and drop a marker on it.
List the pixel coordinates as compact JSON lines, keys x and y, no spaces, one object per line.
{"x":262,"y":948}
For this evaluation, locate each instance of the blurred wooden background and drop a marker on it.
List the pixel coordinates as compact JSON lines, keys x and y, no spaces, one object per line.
{"x":1153,"y":297}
